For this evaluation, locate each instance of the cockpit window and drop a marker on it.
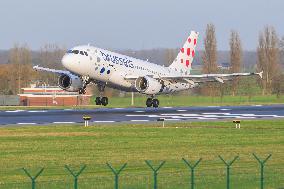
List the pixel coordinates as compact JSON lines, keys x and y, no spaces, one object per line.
{"x":75,"y":51}
{"x":78,"y":52}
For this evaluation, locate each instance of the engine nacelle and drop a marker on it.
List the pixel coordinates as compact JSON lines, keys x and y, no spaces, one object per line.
{"x":69,"y":82}
{"x":148,"y":85}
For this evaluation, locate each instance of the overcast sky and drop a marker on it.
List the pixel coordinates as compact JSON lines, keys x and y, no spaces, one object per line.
{"x":134,"y":24}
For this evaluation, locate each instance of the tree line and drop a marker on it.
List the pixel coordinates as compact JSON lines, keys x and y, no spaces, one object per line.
{"x":270,"y":57}
{"x":18,"y":73}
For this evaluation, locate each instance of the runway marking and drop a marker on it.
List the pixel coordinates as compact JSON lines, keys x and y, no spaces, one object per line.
{"x":35,"y":111}
{"x":167,"y":107}
{"x":26,"y":123}
{"x":278,"y":116}
{"x":257,"y":105}
{"x":119,"y":108}
{"x":207,"y":116}
{"x":67,"y":109}
{"x":139,"y":111}
{"x":14,"y":111}
{"x":62,"y":122}
{"x":224,"y":109}
{"x":103,"y":121}
{"x":180,"y":114}
{"x":181,"y":110}
{"x":213,"y":106}
{"x":172,"y":119}
{"x":140,"y":115}
{"x":139,"y":120}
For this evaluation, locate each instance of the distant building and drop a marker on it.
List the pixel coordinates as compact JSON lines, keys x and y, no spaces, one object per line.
{"x":224,"y":66}
{"x":51,"y":96}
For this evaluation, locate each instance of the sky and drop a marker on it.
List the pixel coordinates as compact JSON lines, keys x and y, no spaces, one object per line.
{"x":134,"y":24}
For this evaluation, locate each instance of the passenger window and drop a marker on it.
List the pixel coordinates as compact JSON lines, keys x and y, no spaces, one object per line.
{"x":102,"y":70}
{"x":81,"y":52}
{"x":85,"y":53}
{"x":75,"y":51}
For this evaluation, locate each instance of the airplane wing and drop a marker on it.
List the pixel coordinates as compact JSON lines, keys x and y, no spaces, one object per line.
{"x":202,"y":78}
{"x":38,"y":68}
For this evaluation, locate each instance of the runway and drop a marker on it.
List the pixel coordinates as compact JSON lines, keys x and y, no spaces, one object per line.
{"x":140,"y":115}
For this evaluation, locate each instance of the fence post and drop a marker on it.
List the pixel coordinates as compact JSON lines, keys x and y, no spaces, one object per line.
{"x":192,"y":167}
{"x":75,"y":175}
{"x":155,"y":171}
{"x":262,"y":163}
{"x":33,"y":179}
{"x":228,"y":165}
{"x":116,"y":173}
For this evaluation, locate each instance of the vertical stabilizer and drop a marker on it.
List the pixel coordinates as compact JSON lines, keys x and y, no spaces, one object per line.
{"x":184,"y":59}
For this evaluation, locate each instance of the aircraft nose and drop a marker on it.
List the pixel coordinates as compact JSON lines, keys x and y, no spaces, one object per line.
{"x":66,"y":60}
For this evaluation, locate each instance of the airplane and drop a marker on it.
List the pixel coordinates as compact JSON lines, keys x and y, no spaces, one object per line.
{"x":88,"y":64}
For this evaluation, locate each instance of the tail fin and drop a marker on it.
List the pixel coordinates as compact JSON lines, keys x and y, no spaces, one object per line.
{"x":183,"y":61}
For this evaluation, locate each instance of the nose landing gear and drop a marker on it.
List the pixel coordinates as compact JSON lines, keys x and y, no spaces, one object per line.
{"x":152,"y":102}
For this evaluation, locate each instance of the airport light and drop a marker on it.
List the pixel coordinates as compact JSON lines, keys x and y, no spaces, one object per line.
{"x":238,"y":123}
{"x":87,"y":118}
{"x":163,"y":120}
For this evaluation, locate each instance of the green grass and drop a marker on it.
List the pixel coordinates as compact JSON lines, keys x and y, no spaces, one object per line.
{"x":177,"y":100}
{"x":171,"y":100}
{"x":54,"y":146}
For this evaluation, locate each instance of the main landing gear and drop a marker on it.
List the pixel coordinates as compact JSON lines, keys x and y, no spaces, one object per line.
{"x":152,"y":102}
{"x":101,"y":101}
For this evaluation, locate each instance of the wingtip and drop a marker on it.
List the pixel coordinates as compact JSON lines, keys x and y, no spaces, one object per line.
{"x":260,"y":74}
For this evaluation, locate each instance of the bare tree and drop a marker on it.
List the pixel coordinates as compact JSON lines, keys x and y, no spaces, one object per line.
{"x":235,"y":58}
{"x":281,"y":46}
{"x":50,"y":56}
{"x":170,"y":55}
{"x":209,"y":56}
{"x":268,"y":58}
{"x":20,"y":68}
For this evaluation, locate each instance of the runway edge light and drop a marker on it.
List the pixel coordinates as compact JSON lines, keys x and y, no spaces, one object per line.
{"x":87,"y":118}
{"x":238,"y":123}
{"x":163,"y":120}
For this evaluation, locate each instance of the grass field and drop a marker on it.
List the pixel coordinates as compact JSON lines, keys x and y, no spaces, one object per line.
{"x":172,"y":100}
{"x":54,"y":146}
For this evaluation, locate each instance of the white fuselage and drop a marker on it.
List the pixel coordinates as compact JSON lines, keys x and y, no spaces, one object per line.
{"x":112,"y":68}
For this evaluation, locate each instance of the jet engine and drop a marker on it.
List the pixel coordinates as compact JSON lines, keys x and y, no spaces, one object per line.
{"x":148,"y":85}
{"x":69,"y":82}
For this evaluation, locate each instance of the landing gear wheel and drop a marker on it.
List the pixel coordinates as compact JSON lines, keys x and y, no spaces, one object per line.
{"x":82,"y":91}
{"x":149,"y":102}
{"x":155,"y":103}
{"x":104,"y":101}
{"x":98,"y":101}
